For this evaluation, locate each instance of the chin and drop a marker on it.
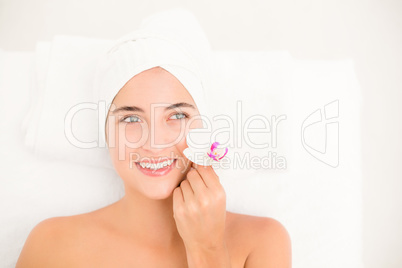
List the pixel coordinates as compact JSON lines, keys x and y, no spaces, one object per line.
{"x":160,"y":189}
{"x":160,"y":193}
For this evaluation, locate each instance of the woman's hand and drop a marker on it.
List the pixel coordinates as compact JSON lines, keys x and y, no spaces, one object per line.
{"x":199,"y":206}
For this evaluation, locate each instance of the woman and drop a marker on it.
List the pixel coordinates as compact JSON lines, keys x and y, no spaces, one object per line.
{"x":175,"y":219}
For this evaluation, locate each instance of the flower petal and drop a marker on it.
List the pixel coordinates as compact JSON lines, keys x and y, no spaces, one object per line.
{"x":226,"y":151}
{"x":214,"y":146}
{"x":212,"y":156}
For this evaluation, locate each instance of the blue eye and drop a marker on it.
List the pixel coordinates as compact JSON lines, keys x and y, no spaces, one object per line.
{"x":136,"y":119}
{"x":181,"y":115}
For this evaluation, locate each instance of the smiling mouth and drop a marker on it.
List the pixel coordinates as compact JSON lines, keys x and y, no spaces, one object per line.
{"x":158,"y":170}
{"x":154,"y":166}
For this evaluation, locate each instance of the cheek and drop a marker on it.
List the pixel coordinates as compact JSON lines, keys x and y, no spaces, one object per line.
{"x":120,"y":165}
{"x":132,"y":135}
{"x":196,"y":123}
{"x":182,"y":144}
{"x":124,"y":152}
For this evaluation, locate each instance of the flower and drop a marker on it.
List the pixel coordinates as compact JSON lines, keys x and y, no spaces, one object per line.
{"x":201,"y":153}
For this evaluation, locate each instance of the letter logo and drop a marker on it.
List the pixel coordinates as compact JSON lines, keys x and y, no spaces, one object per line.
{"x":329,"y":139}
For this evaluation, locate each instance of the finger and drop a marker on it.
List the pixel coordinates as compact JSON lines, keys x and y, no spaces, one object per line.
{"x":177,"y":197}
{"x":197,"y":183}
{"x":188,"y":193}
{"x":208,"y":174}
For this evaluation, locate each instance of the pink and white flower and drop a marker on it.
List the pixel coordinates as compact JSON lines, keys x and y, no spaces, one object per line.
{"x":202,"y":153}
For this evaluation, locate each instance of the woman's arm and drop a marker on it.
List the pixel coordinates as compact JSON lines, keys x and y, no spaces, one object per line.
{"x":272,"y":247}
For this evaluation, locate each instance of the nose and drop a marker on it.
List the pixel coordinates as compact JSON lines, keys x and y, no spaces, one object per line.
{"x":159,"y":137}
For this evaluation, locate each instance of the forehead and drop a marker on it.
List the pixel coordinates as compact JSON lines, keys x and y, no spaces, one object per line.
{"x":155,"y":85}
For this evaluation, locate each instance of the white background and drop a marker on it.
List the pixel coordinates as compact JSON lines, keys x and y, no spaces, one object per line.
{"x":369,"y":32}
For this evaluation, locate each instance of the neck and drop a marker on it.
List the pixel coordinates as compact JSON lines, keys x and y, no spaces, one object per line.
{"x":148,"y":220}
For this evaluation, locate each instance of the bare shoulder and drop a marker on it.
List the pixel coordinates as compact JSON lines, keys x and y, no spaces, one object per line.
{"x":267,"y":240}
{"x":63,"y":241}
{"x":42,"y":246}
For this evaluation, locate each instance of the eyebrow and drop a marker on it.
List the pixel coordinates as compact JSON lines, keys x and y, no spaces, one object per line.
{"x":138,"y":109}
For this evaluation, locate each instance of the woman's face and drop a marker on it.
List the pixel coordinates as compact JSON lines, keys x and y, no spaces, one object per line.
{"x":150,"y":131}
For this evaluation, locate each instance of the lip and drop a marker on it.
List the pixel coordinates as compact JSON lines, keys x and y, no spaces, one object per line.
{"x":155,"y":161}
{"x":156,"y":173}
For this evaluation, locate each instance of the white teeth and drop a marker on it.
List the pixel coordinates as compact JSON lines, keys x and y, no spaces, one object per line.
{"x":156,"y":166}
